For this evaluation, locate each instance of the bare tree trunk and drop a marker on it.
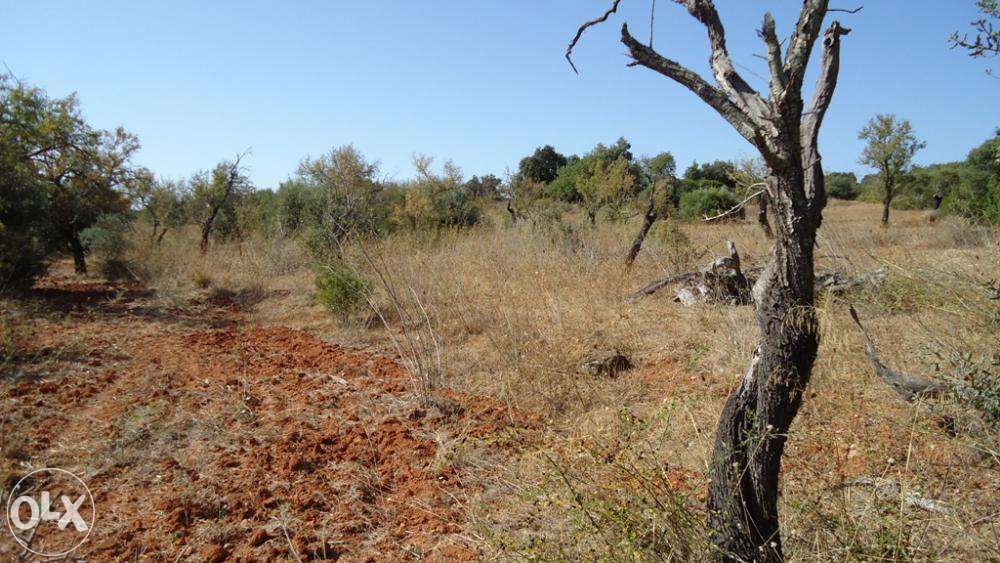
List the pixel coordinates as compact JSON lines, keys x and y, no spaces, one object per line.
{"x":513,"y":213}
{"x":79,"y":254}
{"x":890,"y":187}
{"x":647,"y":223}
{"x":159,"y":239}
{"x":206,"y":231}
{"x":754,"y":424}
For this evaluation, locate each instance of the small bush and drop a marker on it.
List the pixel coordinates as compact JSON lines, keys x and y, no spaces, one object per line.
{"x":201,"y":279}
{"x":842,"y":185}
{"x":108,"y":241}
{"x":677,"y":246}
{"x":707,"y":201}
{"x":340,"y":289}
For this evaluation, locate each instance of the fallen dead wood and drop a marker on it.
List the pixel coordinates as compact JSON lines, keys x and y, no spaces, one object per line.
{"x":724,"y":281}
{"x":837,"y":283}
{"x":890,"y":490}
{"x":907,"y":386}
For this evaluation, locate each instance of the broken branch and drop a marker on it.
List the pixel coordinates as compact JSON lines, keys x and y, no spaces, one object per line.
{"x":593,"y":22}
{"x":907,"y":386}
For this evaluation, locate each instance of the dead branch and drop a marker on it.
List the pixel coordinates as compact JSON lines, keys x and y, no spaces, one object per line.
{"x":593,"y":22}
{"x":890,"y":489}
{"x":737,"y":207}
{"x":907,"y":386}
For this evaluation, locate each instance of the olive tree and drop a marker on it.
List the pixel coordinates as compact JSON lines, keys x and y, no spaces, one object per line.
{"x":890,"y":149}
{"x":754,"y":425}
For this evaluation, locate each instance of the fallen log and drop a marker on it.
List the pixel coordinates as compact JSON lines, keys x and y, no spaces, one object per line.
{"x":724,"y":280}
{"x":906,"y":386}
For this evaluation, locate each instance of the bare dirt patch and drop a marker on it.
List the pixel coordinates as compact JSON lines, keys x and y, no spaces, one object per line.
{"x":205,"y":437}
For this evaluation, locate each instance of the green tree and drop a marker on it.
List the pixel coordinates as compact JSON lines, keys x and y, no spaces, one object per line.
{"x":436,"y":201}
{"x":842,"y":185}
{"x":86,"y":180}
{"x":977,"y":195}
{"x":163,"y":202}
{"x":890,"y":149}
{"x":542,"y":166}
{"x":487,"y":187}
{"x":299,"y":206}
{"x":214,"y":197}
{"x":607,"y":185}
{"x":719,"y":171}
{"x":31,"y":125}
{"x":578,"y":169}
{"x":354,"y":200}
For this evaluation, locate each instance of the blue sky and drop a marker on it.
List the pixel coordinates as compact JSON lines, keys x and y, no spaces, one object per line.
{"x":480,"y":82}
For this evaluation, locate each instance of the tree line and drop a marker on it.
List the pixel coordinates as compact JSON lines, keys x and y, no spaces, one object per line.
{"x":67,"y":187}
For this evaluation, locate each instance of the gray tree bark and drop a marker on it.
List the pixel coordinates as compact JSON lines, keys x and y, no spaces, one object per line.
{"x":753,"y":428}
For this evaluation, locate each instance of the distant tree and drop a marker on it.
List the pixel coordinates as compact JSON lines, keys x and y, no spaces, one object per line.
{"x":354,"y":200}
{"x":890,"y":149}
{"x":842,"y":185}
{"x":487,"y":187}
{"x":977,"y":195}
{"x":435,"y":201}
{"x":299,"y":206}
{"x":164,"y":203}
{"x":658,"y":174}
{"x":608,"y":184}
{"x":718,"y":171}
{"x":543,"y":165}
{"x":577,"y":170}
{"x":985,"y":40}
{"x":214,"y":194}
{"x":657,"y":168}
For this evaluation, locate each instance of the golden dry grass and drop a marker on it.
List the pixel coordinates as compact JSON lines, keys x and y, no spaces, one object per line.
{"x":509,"y":312}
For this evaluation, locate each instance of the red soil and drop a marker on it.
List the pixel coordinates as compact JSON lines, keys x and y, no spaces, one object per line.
{"x":206,"y":438}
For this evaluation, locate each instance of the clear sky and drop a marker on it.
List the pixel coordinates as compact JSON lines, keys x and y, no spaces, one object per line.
{"x":481,"y":82}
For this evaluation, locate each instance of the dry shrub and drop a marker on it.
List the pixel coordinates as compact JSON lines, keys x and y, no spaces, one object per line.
{"x":176,"y":267}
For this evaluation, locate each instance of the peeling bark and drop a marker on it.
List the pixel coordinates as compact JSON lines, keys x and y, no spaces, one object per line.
{"x":754,"y":425}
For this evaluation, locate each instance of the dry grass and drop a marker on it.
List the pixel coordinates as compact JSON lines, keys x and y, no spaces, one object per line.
{"x":511,"y":310}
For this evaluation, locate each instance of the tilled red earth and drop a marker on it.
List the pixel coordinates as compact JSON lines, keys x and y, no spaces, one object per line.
{"x":205,"y":438}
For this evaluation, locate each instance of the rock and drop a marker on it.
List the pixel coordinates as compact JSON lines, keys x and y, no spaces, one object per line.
{"x":606,"y":363}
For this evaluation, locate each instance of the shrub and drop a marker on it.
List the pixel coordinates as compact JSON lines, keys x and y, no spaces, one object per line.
{"x":436,"y":201}
{"x":706,"y":201}
{"x":108,"y":241}
{"x":340,"y":289}
{"x":677,"y":246}
{"x":842,"y":185}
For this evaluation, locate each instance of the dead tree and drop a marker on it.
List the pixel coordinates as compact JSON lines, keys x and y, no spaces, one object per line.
{"x":753,"y":428}
{"x":647,"y":223}
{"x":218,"y":200}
